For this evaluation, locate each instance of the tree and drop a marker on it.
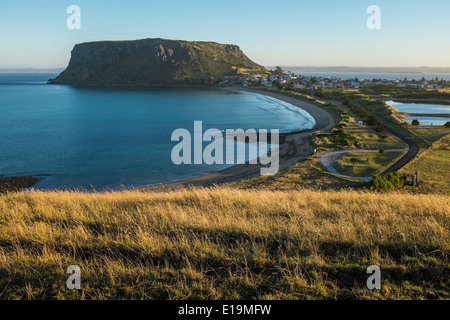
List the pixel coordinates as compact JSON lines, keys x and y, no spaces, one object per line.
{"x":348,"y":101}
{"x":378,"y":127}
{"x":277,"y":83}
{"x":372,"y":118}
{"x":447,"y":124}
{"x":353,"y":160}
{"x":415,"y":122}
{"x":278,"y":71}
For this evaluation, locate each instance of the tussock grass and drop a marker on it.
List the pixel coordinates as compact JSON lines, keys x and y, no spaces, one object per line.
{"x":224,"y":244}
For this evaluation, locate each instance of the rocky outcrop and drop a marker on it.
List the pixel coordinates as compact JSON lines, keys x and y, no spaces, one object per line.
{"x":154,"y":61}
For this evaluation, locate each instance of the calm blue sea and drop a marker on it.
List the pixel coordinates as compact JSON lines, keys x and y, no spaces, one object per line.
{"x":73,"y":137}
{"x":423,"y":108}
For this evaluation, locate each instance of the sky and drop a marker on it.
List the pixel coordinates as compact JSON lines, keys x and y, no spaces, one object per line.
{"x":33,"y":33}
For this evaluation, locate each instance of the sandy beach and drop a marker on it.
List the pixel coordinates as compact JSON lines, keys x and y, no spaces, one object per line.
{"x":294,"y":147}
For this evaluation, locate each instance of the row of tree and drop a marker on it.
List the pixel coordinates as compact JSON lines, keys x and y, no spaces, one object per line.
{"x":370,"y":118}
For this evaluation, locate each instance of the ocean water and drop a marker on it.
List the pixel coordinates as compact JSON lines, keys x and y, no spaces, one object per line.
{"x":423,"y":108}
{"x":109,"y":138}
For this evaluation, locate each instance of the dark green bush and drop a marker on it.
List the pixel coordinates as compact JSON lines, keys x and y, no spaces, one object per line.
{"x":388,"y":182}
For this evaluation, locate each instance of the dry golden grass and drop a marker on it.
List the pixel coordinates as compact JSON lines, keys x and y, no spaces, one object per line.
{"x":224,"y":244}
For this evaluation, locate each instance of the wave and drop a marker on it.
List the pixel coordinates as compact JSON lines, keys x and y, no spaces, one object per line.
{"x":308,"y":122}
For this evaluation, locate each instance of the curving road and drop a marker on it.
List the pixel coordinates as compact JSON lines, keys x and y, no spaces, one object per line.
{"x":403,"y":161}
{"x":329,"y":158}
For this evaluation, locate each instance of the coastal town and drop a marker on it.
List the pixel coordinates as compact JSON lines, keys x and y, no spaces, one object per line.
{"x":298,"y":81}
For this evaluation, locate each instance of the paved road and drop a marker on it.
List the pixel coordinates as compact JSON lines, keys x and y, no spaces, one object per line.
{"x":328,"y":158}
{"x":403,"y":161}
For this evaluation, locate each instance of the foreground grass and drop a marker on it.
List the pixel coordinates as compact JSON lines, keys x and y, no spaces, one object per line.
{"x":224,"y":244}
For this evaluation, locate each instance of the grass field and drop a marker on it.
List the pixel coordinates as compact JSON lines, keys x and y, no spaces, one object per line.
{"x":430,"y":133}
{"x":372,"y":140}
{"x":305,"y":174}
{"x":224,"y":244}
{"x":433,"y":166}
{"x":368,"y":164}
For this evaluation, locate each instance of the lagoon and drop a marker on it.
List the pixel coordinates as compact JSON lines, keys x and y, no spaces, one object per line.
{"x":423,"y":108}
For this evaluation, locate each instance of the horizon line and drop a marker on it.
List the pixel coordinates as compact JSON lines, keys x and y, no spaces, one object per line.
{"x":352,"y":68}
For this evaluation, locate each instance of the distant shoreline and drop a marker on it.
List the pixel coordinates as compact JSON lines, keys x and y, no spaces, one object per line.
{"x":346,"y":69}
{"x":330,"y":69}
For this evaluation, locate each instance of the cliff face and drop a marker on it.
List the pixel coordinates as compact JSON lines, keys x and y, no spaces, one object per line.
{"x":154,"y":61}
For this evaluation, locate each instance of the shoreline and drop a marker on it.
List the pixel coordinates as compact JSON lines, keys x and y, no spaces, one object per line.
{"x":431,"y":115}
{"x":293,"y":148}
{"x":419,"y":100}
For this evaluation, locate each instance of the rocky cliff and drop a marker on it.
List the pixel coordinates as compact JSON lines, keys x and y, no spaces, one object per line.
{"x":155,"y":61}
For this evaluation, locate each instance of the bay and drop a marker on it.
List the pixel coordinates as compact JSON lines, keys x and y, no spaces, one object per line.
{"x":111,"y":138}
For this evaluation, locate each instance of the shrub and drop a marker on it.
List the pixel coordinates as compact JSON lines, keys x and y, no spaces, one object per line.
{"x":447,"y":124}
{"x":415,"y":122}
{"x":348,"y":101}
{"x":372,"y":118}
{"x":278,"y":84}
{"x":388,"y":182}
{"x":339,"y":136}
{"x":378,"y":127}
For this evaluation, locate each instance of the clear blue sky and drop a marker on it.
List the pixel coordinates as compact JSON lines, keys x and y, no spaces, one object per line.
{"x":33,"y":33}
